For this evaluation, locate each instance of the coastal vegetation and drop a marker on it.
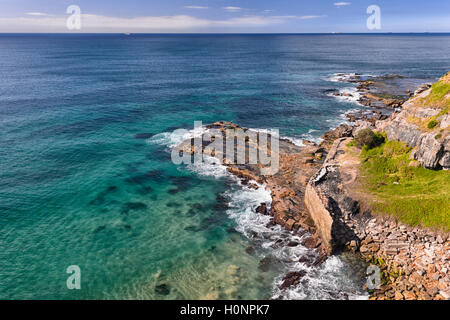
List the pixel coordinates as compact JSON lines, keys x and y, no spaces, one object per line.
{"x":439,"y":95}
{"x":402,"y":188}
{"x":438,"y":98}
{"x":368,"y":138}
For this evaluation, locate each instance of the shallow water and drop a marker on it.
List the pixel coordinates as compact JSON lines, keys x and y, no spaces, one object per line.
{"x":86,"y":177}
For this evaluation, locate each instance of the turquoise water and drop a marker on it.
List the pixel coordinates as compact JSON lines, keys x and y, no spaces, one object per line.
{"x":85,"y":171}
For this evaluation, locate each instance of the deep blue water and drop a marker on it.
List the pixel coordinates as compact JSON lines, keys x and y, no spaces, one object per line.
{"x":79,"y":185}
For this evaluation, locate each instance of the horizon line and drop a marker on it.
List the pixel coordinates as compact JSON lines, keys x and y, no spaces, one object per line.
{"x":224,"y":33}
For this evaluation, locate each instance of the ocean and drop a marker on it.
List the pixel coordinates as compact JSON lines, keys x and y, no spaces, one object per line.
{"x":86,"y":177}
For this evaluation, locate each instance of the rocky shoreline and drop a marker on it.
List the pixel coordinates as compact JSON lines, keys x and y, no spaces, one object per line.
{"x":414,"y":262}
{"x":311,"y":196}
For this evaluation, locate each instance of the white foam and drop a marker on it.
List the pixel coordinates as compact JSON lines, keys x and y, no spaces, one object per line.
{"x":346,"y":77}
{"x":311,"y":136}
{"x":242,"y":208}
{"x":175,"y":138}
{"x":209,"y":167}
{"x":326,"y":282}
{"x":341,"y":77}
{"x":348,"y":94}
{"x":297,"y":141}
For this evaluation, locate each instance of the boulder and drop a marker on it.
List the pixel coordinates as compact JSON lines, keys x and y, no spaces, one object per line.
{"x":262,"y":209}
{"x":423,"y":87}
{"x":445,"y":121}
{"x":292,"y":279}
{"x":403,"y":131}
{"x":431,"y":152}
{"x":344,"y":130}
{"x":360,"y":125}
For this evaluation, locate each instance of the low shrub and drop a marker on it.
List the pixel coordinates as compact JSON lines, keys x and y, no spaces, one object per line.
{"x":432,"y":124}
{"x":368,"y":139}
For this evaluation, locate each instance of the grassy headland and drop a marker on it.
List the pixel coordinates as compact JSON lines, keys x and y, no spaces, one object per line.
{"x":403,"y":189}
{"x":439,"y":95}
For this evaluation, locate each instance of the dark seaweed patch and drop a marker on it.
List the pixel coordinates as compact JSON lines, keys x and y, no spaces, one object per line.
{"x":162,"y":289}
{"x":154,"y":175}
{"x":182,"y":182}
{"x":100,"y":199}
{"x":193,"y":228}
{"x":160,"y":155}
{"x":100,"y":228}
{"x":133,"y":167}
{"x":195,"y":209}
{"x":143,"y":135}
{"x":211,"y":221}
{"x":173,"y":205}
{"x":221,"y":204}
{"x":197,"y":206}
{"x":145,"y":190}
{"x":191,"y":212}
{"x":173,"y":191}
{"x":220,"y":207}
{"x":133,"y":206}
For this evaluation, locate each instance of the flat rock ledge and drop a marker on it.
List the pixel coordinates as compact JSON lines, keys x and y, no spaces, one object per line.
{"x":414,"y":263}
{"x":296,"y":166}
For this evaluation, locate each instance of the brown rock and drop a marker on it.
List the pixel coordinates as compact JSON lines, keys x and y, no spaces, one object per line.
{"x":290,"y":224}
{"x":398,"y":295}
{"x":292,"y":244}
{"x":292,"y":279}
{"x":262,"y":208}
{"x":310,"y":242}
{"x":409,"y":295}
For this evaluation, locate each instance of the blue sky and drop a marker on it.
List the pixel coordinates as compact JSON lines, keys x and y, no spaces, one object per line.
{"x":295,"y":16}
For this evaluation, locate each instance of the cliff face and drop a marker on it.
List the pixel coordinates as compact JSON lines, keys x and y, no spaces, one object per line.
{"x":327,"y":201}
{"x":424,"y":124}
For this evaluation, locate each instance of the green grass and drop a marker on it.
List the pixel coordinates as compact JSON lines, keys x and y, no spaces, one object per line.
{"x":438,"y":92}
{"x":413,"y":195}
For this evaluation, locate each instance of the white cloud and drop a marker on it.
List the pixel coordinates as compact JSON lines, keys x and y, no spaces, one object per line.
{"x":195,"y":7}
{"x":98,"y":23}
{"x":39,"y":14}
{"x":232,"y":9}
{"x":299,"y":17}
{"x":250,"y":21}
{"x":149,"y":22}
{"x":340,"y":4}
{"x":312,"y":17}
